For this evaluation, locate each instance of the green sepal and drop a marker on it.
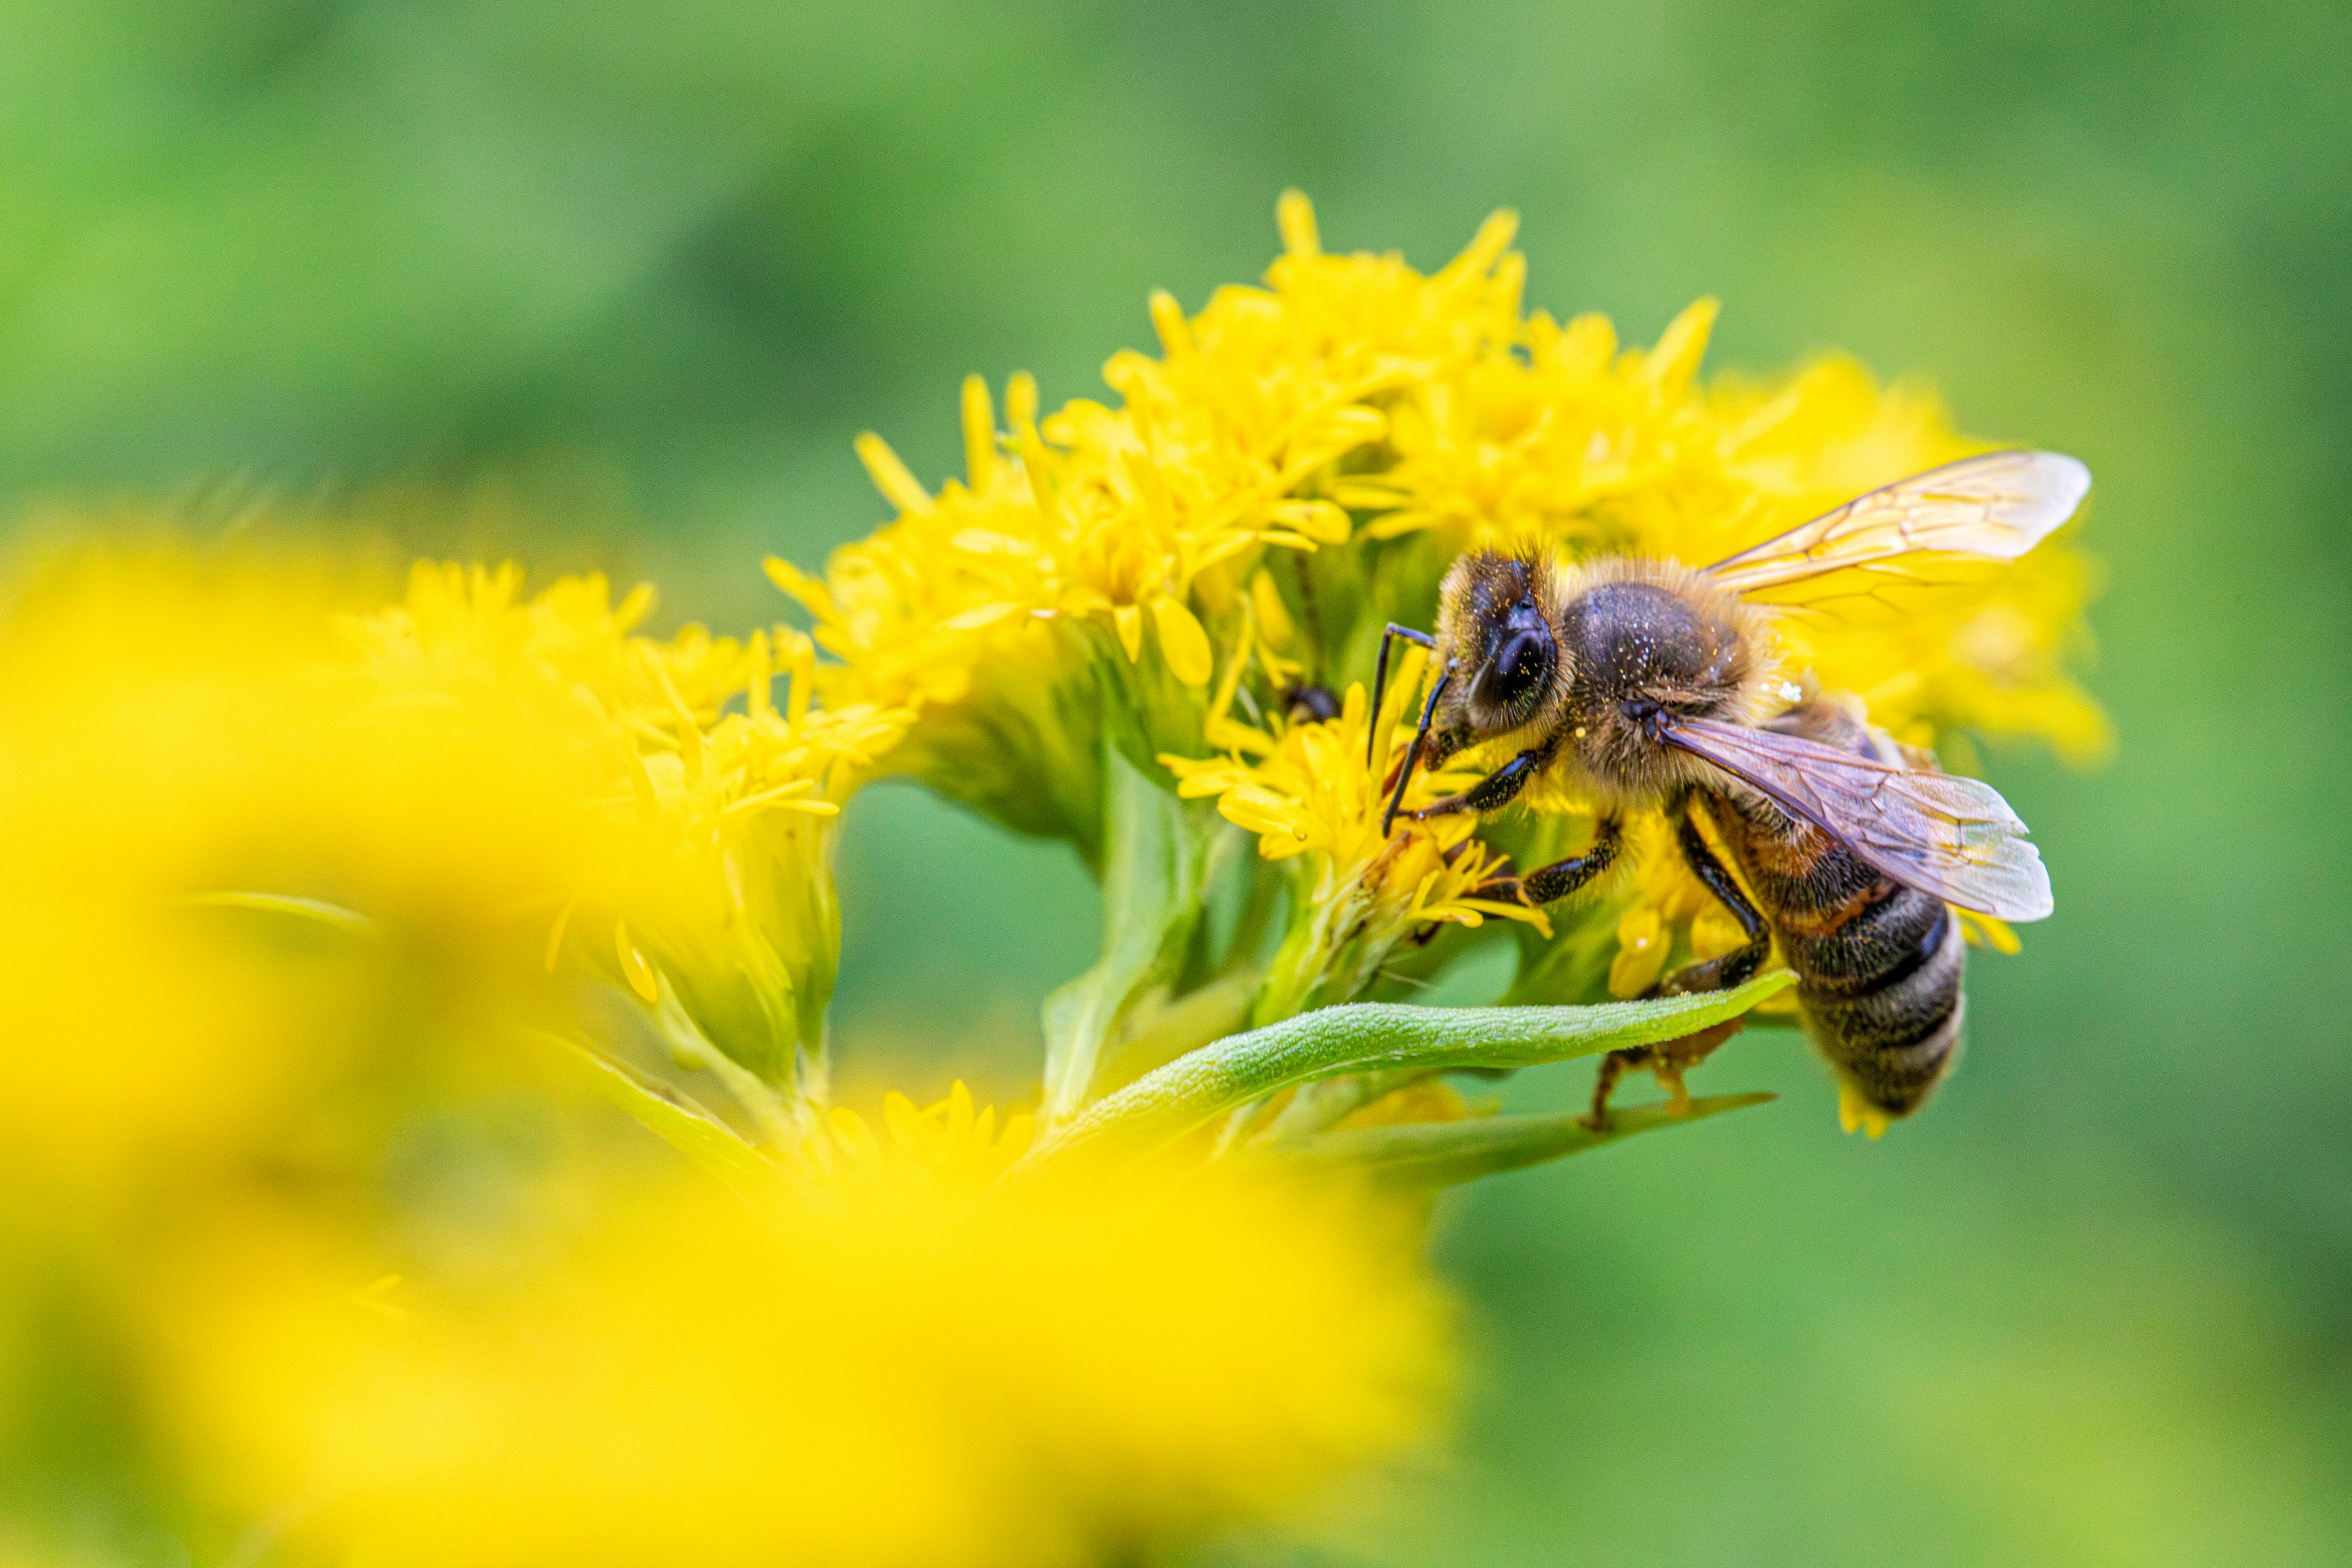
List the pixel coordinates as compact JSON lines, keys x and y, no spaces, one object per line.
{"x":708,"y":1144}
{"x":1202,"y":1085}
{"x":318,"y":912}
{"x":1427,"y":1154}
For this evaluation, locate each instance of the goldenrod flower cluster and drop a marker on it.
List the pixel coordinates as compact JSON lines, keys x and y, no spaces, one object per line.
{"x":1316,"y":450}
{"x":358,"y":946}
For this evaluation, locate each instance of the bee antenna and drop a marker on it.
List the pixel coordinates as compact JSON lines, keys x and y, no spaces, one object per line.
{"x":1404,"y":775}
{"x":1381,"y":678}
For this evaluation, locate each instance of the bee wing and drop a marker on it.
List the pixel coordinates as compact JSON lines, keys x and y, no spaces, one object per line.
{"x":1997,"y":505}
{"x":1953,"y":837}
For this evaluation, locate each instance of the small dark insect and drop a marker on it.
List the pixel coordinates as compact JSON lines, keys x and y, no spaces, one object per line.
{"x":1309,"y":704}
{"x":1640,"y":683}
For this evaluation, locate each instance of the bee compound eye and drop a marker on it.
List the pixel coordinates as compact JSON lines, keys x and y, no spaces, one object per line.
{"x":1522,"y":656}
{"x":1521,"y":668}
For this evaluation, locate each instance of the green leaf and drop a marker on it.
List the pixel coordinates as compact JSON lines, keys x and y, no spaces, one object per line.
{"x":1195,"y":1088}
{"x":1424,"y":1154}
{"x":709,"y":1143}
{"x":1155,"y":855}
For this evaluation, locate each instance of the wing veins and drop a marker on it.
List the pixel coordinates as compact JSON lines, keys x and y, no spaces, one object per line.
{"x":1997,"y":505}
{"x":1979,"y":859}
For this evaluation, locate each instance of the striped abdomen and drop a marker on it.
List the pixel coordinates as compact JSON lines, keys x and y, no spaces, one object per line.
{"x":1878,"y":964}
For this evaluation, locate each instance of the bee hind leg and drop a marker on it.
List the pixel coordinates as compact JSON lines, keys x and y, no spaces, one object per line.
{"x":1605,"y":1084}
{"x":1666,"y":1062}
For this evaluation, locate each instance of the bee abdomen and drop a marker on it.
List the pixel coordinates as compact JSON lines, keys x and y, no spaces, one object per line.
{"x":1881,"y":996}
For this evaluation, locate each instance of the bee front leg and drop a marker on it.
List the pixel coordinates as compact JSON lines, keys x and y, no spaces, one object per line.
{"x":1494,"y":792}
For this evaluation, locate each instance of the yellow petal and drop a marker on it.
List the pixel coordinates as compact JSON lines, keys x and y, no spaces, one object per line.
{"x":979,"y":616}
{"x":635,"y":608}
{"x":1641,"y":951}
{"x":1856,"y":1112}
{"x":1294,"y":215}
{"x":810,"y":591}
{"x":1019,"y":1128}
{"x":890,"y":476}
{"x":1168,"y":320}
{"x":1274,"y":621}
{"x":634,"y":967}
{"x":1985,"y":930}
{"x":849,"y":1130}
{"x":1486,"y":247}
{"x":1128,"y":619}
{"x":1021,"y":405}
{"x":1182,"y":642}
{"x":1670,"y":366}
{"x":979,"y":433}
{"x":1318,"y":520}
{"x":555,"y":933}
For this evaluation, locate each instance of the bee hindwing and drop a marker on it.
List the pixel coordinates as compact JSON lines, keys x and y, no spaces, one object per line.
{"x":1953,"y":837}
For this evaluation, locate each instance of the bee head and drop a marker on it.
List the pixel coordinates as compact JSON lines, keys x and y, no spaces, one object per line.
{"x":1500,"y":644}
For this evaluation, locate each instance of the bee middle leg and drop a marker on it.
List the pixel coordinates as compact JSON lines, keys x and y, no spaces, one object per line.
{"x":1669,"y":1060}
{"x":1740,"y":965}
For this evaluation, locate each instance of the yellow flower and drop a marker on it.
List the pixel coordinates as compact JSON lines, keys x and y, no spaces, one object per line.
{"x":1103,"y":515}
{"x":881,"y":1369}
{"x":947,"y":1138}
{"x":1305,"y":791}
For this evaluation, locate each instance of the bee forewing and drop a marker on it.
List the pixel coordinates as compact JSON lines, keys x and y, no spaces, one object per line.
{"x":1953,"y":837}
{"x":1997,"y":505}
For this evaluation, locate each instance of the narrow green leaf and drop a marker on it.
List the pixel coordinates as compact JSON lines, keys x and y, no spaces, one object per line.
{"x":1444,"y":1154}
{"x":1202,"y":1085}
{"x":709,"y":1143}
{"x":350,"y":923}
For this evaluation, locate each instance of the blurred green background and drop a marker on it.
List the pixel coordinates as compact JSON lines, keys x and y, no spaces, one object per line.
{"x":642,"y":272}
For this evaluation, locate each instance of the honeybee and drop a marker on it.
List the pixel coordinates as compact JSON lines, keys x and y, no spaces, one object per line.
{"x":1642,"y":684}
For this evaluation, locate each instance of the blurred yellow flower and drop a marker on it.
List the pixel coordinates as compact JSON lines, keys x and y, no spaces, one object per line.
{"x":883,"y":1370}
{"x":180,"y":729}
{"x":728,"y":898}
